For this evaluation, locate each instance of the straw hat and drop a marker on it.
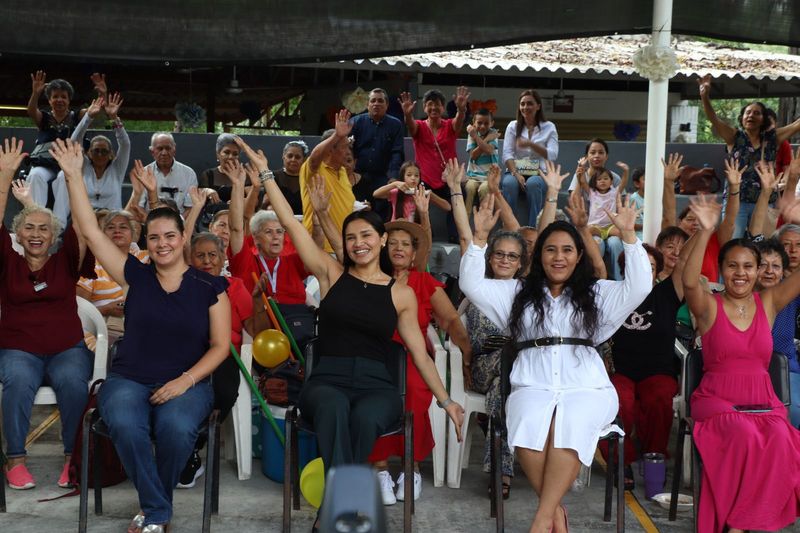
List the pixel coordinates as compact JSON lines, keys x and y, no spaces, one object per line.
{"x":419,"y":235}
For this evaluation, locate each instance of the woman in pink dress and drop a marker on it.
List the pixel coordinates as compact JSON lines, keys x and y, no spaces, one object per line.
{"x":751,"y":460}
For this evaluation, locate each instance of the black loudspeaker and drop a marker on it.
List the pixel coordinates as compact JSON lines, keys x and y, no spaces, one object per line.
{"x":352,"y":501}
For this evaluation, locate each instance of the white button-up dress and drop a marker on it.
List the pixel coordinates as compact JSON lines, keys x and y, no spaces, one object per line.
{"x":566,"y":379}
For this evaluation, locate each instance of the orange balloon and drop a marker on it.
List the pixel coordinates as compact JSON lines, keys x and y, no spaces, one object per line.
{"x":271,"y":348}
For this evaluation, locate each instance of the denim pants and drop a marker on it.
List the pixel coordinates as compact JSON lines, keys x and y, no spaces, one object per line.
{"x":614,"y":246}
{"x":535,"y":190}
{"x":135,"y":425}
{"x":22,"y":373}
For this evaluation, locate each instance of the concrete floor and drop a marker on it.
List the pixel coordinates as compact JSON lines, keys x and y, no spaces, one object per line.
{"x":255,"y":505}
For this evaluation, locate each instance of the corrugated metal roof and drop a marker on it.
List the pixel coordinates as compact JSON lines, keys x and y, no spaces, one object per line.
{"x":601,"y":55}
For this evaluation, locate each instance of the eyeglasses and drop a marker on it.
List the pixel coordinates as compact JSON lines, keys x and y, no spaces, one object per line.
{"x":101,"y":151}
{"x":511,"y":256}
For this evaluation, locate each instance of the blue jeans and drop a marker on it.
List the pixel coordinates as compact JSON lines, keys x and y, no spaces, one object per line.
{"x":535,"y":190}
{"x":614,"y":246}
{"x":794,"y":409}
{"x":22,"y":373}
{"x":134,"y":424}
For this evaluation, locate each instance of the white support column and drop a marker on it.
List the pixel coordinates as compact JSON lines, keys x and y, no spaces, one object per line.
{"x":656,"y":127}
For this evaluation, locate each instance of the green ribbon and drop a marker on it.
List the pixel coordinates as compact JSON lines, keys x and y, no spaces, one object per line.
{"x":286,"y":331}
{"x":261,"y":402}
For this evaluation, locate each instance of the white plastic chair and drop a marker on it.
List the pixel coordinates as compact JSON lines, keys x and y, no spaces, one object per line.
{"x":436,"y":414}
{"x":239,"y":426}
{"x":312,"y":291}
{"x":473,"y":403}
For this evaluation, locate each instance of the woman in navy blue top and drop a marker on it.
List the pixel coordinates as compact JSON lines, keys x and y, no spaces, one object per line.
{"x":177,"y":331}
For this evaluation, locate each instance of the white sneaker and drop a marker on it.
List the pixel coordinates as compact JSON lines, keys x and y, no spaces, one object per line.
{"x":401,"y":486}
{"x":387,"y":488}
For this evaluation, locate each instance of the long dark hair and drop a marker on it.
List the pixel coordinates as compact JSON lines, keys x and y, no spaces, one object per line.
{"x":579,"y":288}
{"x":401,"y":198}
{"x":374,"y":220}
{"x":538,"y":117}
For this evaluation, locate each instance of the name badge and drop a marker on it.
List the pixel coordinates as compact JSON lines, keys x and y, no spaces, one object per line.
{"x":40,"y":286}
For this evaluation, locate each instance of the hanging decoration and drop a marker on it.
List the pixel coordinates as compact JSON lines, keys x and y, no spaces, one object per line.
{"x":190,"y":114}
{"x":356,"y":100}
{"x":626,"y":132}
{"x":656,"y":62}
{"x":491,"y":105}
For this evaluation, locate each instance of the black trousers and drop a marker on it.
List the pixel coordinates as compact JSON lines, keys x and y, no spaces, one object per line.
{"x":350,"y":401}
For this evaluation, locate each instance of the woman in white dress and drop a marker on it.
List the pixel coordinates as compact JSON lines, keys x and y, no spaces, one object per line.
{"x":561,"y":396}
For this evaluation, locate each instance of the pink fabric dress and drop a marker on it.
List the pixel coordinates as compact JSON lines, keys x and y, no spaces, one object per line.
{"x":751,"y":461}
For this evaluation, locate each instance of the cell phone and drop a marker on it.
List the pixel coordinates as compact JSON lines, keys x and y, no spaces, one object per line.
{"x":753,"y":408}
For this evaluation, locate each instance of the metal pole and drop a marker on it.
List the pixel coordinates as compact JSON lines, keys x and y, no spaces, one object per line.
{"x":656,"y":127}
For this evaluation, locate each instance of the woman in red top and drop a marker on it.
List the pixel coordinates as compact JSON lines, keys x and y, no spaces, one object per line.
{"x":37,"y":291}
{"x":208,"y":255}
{"x":409,"y":246}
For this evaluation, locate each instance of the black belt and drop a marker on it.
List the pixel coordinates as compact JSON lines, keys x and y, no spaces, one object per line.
{"x":554,"y":341}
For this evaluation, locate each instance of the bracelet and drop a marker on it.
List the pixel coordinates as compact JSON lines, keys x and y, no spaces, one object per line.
{"x":734,"y":193}
{"x":455,"y":194}
{"x":265,"y":175}
{"x":190,"y":377}
{"x":445,"y":403}
{"x":553,"y":200}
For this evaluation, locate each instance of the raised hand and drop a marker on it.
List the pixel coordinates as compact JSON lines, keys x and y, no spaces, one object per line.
{"x":793,"y":170}
{"x":707,"y":211}
{"x":95,"y":107}
{"x":625,"y":217}
{"x":199,"y":195}
{"x":789,"y":207}
{"x":99,"y":82}
{"x":472,"y":131}
{"x":704,"y":84}
{"x":672,"y":167}
{"x":407,"y":103}
{"x":235,"y":171}
{"x":766,"y":173}
{"x":734,"y":173}
{"x":576,"y":209}
{"x":493,"y":179}
{"x":21,"y":191}
{"x":252,"y":173}
{"x":112,"y":105}
{"x":486,"y":217}
{"x":145,"y":176}
{"x":461,"y":97}
{"x":38,"y":81}
{"x":624,"y":166}
{"x":453,"y":174}
{"x":11,"y":156}
{"x":69,"y":155}
{"x":319,"y":196}
{"x":257,"y":159}
{"x":553,"y":176}
{"x":343,"y":125}
{"x":422,"y":199}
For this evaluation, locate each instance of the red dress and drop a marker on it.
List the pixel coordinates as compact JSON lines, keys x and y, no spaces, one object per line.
{"x":751,"y":461}
{"x":418,"y":395}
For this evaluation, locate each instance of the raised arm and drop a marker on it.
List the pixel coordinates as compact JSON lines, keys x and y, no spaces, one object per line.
{"x":422,"y":199}
{"x":251,"y":200}
{"x":70,"y":157}
{"x":623,"y":181}
{"x":320,"y":201}
{"x":580,"y":172}
{"x":198,"y":195}
{"x":724,"y":130}
{"x":112,"y":106}
{"x":11,"y":156}
{"x":766,"y":174}
{"x":785,"y":132}
{"x":461,"y":98}
{"x":701,"y":304}
{"x":408,"y":113}
{"x":576,"y":209}
{"x":236,"y":173}
{"x":734,"y":176}
{"x":680,"y":265}
{"x":323,"y":266}
{"x":672,"y":169}
{"x":452,"y":176}
{"x":553,"y":178}
{"x":509,"y":221}
{"x":342,"y":129}
{"x":37,"y":87}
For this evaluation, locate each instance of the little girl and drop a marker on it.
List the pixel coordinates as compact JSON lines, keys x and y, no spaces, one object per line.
{"x":400,"y":194}
{"x":602,"y":197}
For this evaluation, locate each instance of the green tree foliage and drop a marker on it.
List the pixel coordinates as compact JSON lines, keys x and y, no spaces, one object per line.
{"x":727,"y":110}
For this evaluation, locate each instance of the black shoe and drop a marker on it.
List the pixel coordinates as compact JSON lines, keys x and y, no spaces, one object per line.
{"x":193,"y":470}
{"x":630,"y":483}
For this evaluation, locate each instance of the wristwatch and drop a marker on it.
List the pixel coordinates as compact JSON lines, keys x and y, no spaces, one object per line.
{"x":445,"y":403}
{"x":265,"y":175}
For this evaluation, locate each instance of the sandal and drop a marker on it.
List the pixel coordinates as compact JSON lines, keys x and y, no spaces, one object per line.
{"x":506,"y":490}
{"x":137,"y":523}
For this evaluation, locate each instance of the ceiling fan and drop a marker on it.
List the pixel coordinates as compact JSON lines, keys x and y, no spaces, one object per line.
{"x":234,"y":88}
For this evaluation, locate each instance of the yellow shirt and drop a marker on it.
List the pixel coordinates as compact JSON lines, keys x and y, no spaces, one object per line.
{"x":342,"y":198}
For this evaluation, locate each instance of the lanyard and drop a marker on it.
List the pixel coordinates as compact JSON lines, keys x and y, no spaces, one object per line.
{"x":271,"y":276}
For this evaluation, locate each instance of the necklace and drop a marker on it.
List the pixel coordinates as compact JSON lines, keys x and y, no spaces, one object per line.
{"x":742,"y":310}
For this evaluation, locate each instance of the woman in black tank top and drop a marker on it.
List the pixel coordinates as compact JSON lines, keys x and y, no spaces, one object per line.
{"x":350,"y":398}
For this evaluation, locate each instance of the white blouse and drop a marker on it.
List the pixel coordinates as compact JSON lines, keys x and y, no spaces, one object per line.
{"x":544,"y":134}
